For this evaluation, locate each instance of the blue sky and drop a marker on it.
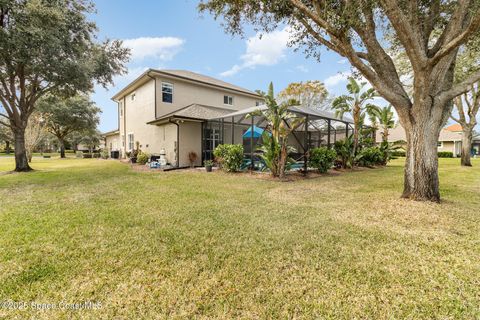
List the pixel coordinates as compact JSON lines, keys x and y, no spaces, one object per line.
{"x":171,"y":34}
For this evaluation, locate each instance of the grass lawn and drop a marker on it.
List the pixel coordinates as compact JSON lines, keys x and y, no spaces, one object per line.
{"x":197,"y":245}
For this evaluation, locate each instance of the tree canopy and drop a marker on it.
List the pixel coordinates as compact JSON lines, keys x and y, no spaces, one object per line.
{"x":430,"y":32}
{"x":49,"y":47}
{"x":311,"y":94}
{"x":67,"y":115}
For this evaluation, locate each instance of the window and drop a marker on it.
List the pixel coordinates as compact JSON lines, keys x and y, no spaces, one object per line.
{"x":228,"y":100}
{"x":133,"y":96}
{"x":167,"y":92}
{"x":130,"y":141}
{"x":257,"y":103}
{"x":120,"y":107}
{"x":440,"y":144}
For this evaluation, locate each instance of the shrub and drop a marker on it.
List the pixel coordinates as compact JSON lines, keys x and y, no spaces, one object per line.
{"x":96,"y":154}
{"x":344,"y":149}
{"x":79,"y":154}
{"x":445,"y":154}
{"x":371,"y":156}
{"x":142,"y":158}
{"x":104,"y":154}
{"x":322,"y":158}
{"x":87,"y":156}
{"x":398,"y":154}
{"x":230,"y":156}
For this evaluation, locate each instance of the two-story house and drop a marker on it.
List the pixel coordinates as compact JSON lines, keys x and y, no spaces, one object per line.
{"x":165,"y":109}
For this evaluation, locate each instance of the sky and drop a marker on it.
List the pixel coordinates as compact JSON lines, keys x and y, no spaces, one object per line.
{"x":172,"y":34}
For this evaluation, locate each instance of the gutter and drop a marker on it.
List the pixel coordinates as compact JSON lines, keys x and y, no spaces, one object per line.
{"x":178,"y":141}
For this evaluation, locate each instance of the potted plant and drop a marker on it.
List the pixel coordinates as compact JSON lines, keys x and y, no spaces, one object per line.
{"x":208,"y":165}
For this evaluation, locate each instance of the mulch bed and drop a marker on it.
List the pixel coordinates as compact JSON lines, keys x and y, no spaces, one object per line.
{"x":291,"y":176}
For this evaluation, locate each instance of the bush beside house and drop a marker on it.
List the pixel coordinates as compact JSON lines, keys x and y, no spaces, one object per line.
{"x":229,"y":156}
{"x":322,"y":158}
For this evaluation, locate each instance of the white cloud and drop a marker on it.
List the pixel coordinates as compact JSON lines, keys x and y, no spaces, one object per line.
{"x":162,"y":48}
{"x":301,"y":68}
{"x":265,"y":51}
{"x":336,"y":79}
{"x":342,"y":61}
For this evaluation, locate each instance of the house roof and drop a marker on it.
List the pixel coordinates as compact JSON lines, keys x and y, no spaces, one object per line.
{"x":454,"y":128}
{"x":398,"y":134}
{"x":194,"y":112}
{"x":111,"y":133}
{"x":294,"y":109}
{"x":182,"y":75}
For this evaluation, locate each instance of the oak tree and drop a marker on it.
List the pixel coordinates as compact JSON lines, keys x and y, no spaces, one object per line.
{"x":431,"y":33}
{"x":68,"y":115}
{"x":49,"y":46}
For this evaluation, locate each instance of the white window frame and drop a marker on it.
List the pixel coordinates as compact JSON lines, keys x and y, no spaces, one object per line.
{"x":120,"y":106}
{"x":172,"y":93}
{"x":131,"y":144}
{"x":439,"y":144}
{"x":229,"y":100}
{"x":133,"y":96}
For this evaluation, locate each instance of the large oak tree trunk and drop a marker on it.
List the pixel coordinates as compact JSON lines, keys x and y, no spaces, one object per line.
{"x":7,"y":147}
{"x":21,"y":160}
{"x":421,"y":165}
{"x":467,"y":136}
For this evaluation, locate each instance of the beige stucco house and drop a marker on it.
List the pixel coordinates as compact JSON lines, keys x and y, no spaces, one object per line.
{"x":450,"y":139}
{"x":165,"y":109}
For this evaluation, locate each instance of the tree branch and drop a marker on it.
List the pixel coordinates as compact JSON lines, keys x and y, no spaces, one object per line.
{"x":454,"y":26}
{"x":459,"y":88}
{"x":457,"y":41}
{"x":406,"y":33}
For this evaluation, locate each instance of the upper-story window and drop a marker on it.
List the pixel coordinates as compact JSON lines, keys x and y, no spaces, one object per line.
{"x":133,"y":96}
{"x":228,"y":100}
{"x":257,"y":103}
{"x":167,"y":92}
{"x":120,"y":107}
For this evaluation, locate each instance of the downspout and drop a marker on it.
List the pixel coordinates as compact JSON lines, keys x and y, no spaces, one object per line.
{"x":178,"y":141}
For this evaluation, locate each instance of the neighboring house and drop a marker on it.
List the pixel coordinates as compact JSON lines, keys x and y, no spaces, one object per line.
{"x":457,"y":128}
{"x":450,"y":138}
{"x":165,"y":109}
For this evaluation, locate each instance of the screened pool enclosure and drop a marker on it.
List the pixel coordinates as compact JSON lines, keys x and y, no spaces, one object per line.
{"x":313,"y":129}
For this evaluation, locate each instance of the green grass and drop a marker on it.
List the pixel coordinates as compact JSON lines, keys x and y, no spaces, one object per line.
{"x":197,"y":245}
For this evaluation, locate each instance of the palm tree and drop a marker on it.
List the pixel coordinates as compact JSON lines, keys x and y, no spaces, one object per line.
{"x":356,"y":104}
{"x":280,"y":123}
{"x":386,"y":120}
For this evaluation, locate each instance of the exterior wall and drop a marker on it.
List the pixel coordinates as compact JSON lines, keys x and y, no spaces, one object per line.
{"x":190,"y":140}
{"x":448,"y":146}
{"x":136,"y":114}
{"x":113,"y":143}
{"x":186,"y":93}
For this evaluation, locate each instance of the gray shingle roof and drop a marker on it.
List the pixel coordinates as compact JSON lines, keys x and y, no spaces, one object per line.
{"x":205,"y":79}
